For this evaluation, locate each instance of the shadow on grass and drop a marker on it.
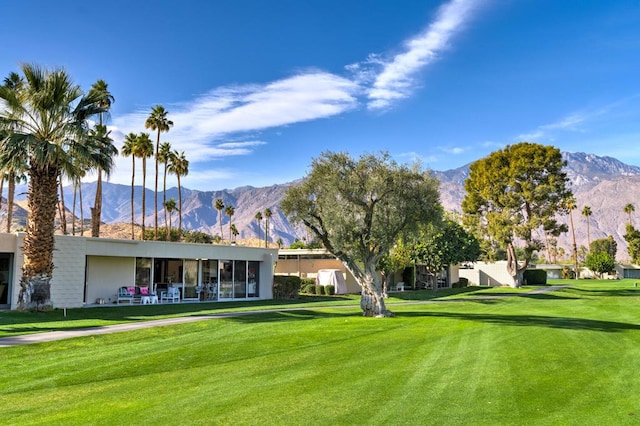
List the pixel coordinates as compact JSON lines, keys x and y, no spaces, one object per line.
{"x":604,"y":292}
{"x":532,"y":321}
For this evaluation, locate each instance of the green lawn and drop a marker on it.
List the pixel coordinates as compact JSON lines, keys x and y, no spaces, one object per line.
{"x":561,"y":358}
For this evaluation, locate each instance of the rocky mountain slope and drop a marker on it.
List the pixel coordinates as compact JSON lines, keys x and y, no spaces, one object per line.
{"x":604,"y":183}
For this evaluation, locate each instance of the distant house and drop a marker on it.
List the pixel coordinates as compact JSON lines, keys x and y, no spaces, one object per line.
{"x":305,"y":263}
{"x":92,"y":270}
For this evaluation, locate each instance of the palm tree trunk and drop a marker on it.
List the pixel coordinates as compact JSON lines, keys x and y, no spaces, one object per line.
{"x":1,"y":187}
{"x":61,"y":209}
{"x":81,"y":209}
{"x":179,"y":209}
{"x":37,"y":268}
{"x":144,"y":179}
{"x":164,"y":194}
{"x":11,"y":191}
{"x":96,"y":211}
{"x":133,"y":180}
{"x":575,"y":247}
{"x":588,"y":236}
{"x":73,"y":206}
{"x":155,"y":192}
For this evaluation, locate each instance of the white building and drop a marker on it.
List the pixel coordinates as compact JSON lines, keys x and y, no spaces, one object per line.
{"x":91,"y":270}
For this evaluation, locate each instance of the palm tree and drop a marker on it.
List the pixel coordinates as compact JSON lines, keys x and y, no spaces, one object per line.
{"x":159,"y":122}
{"x":144,"y":150}
{"x":48,"y":117}
{"x":102,"y":161}
{"x":179,"y":166}
{"x":586,"y":212}
{"x":571,"y":205}
{"x":220,"y":206}
{"x":101,"y":90}
{"x":628,"y":209}
{"x":170,"y":207}
{"x":267,"y":216}
{"x":258,"y":217}
{"x":164,"y":154}
{"x":229,"y":211}
{"x":234,"y":231}
{"x":129,"y":149}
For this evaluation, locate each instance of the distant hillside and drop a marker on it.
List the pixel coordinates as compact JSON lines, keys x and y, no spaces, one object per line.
{"x":604,"y":183}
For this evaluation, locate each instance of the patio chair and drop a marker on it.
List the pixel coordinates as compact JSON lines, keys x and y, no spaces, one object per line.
{"x":172,"y":294}
{"x":124,"y":295}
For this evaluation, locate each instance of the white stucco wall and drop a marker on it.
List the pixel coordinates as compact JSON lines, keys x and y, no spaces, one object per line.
{"x":489,"y":274}
{"x":106,"y":274}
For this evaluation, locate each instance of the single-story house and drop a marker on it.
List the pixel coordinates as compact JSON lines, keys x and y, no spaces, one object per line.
{"x":306,"y":263}
{"x":90,"y":271}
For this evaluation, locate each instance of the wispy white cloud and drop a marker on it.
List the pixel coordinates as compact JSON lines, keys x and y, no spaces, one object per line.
{"x":456,"y":150}
{"x":397,"y":78}
{"x":569,"y":123}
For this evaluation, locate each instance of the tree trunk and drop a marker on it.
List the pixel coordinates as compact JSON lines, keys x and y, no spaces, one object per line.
{"x":372,"y":298}
{"x":37,"y":269}
{"x":63,"y":213}
{"x":81,"y":209}
{"x":180,"y":210}
{"x":133,"y":180}
{"x":515,"y":270}
{"x":73,"y":206}
{"x":144,"y":179}
{"x":11,"y":191}
{"x":96,"y":211}
{"x":575,"y":247}
{"x":155,"y":192}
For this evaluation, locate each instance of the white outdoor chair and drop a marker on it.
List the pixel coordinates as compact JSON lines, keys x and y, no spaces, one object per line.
{"x":124,"y":296}
{"x":400,"y":286}
{"x":172,"y":294}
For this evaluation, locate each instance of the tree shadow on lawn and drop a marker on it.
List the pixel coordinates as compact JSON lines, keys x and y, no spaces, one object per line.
{"x":607,"y":293}
{"x":532,"y":321}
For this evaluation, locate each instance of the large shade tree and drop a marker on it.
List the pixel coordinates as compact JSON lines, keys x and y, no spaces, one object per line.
{"x":159,"y":122}
{"x":358,"y":208}
{"x":513,"y":195}
{"x":49,"y":121}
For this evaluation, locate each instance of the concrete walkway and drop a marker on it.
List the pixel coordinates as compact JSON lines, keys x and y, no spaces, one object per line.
{"x":50,"y":336}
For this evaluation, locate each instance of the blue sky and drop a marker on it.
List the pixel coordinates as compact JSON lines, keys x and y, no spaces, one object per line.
{"x":257,"y":88}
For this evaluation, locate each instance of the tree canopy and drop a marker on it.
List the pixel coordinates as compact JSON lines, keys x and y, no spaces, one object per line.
{"x":513,"y":195}
{"x":358,"y":208}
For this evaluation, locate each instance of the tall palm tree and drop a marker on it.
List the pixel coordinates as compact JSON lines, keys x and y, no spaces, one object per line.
{"x":159,"y":122}
{"x":101,"y":160}
{"x":129,"y":149}
{"x":571,"y":206}
{"x":628,"y":209}
{"x":170,"y":207}
{"x":220,"y":206}
{"x":258,"y":217}
{"x":179,"y":166}
{"x":164,"y":154}
{"x":267,"y":216}
{"x":586,"y":212}
{"x":48,"y":117}
{"x":144,"y":150}
{"x":229,"y":211}
{"x":105,"y":99}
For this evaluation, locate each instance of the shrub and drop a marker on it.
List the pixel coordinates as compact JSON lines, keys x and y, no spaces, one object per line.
{"x":307,"y":281}
{"x":330,"y":290}
{"x":535,"y":277}
{"x":568,"y":273}
{"x":286,"y":287}
{"x":309,"y":289}
{"x":462,"y":282}
{"x":319,"y":290}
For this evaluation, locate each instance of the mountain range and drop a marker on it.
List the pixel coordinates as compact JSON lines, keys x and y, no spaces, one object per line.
{"x":605,"y":184}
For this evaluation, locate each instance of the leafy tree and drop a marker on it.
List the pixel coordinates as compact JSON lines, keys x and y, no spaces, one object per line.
{"x":586,"y":212}
{"x":100,"y":89}
{"x":399,"y":257}
{"x":600,"y":263}
{"x":441,"y":245}
{"x":197,"y":237}
{"x":604,"y":245}
{"x":159,"y":122}
{"x":513,"y":193}
{"x":632,"y":237}
{"x":358,"y":208}
{"x":220,"y":207}
{"x":234,"y":231}
{"x":47,"y":119}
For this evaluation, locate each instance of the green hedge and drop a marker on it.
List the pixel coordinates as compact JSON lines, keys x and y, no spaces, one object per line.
{"x":535,"y":277}
{"x":330,"y":290}
{"x":286,"y":287}
{"x":319,"y":290}
{"x":462,"y":282}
